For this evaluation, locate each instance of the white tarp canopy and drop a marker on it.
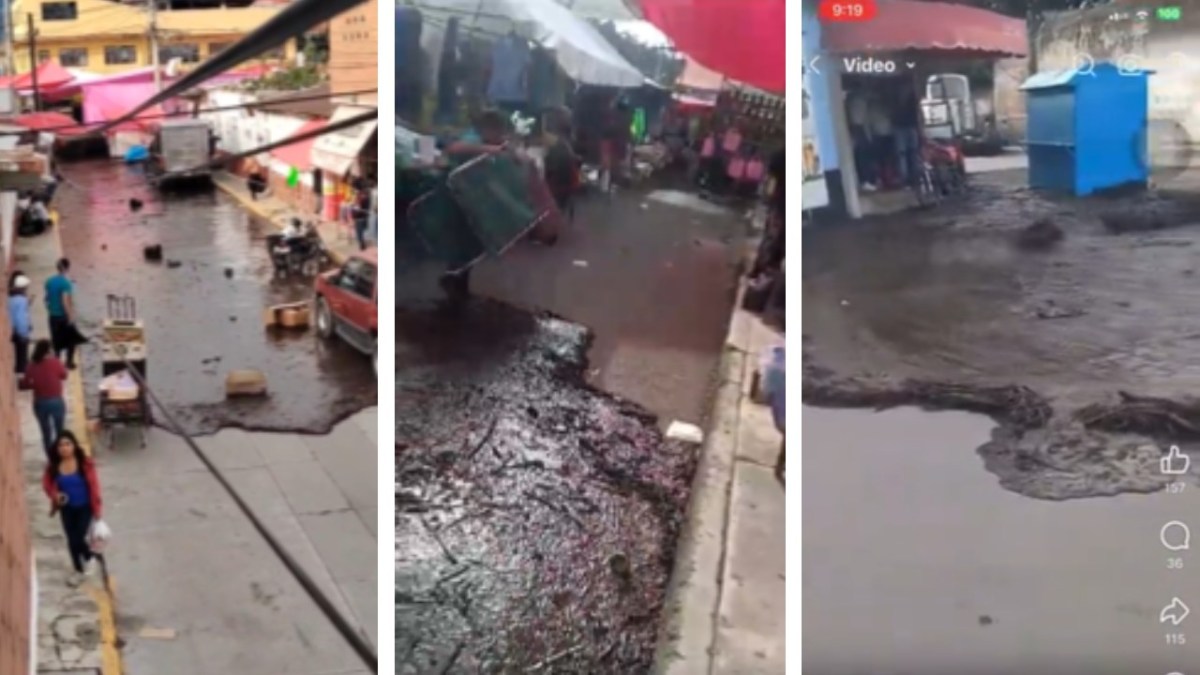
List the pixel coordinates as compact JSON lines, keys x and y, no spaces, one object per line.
{"x":580,"y":50}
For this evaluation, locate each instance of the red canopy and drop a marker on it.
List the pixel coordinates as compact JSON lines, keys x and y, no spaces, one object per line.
{"x":50,"y":75}
{"x":742,"y":39}
{"x":929,"y":26}
{"x":52,"y":122}
{"x":299,"y":154}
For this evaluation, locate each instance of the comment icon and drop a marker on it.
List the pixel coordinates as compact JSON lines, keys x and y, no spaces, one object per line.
{"x":1175,"y":536}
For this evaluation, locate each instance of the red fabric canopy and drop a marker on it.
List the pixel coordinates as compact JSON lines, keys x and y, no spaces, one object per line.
{"x":52,"y":122}
{"x":50,"y":75}
{"x":741,"y":39}
{"x":299,"y":154}
{"x":929,"y":26}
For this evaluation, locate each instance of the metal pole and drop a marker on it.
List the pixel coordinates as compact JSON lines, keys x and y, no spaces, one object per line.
{"x":33,"y":67}
{"x":9,"y":47}
{"x":153,"y":17}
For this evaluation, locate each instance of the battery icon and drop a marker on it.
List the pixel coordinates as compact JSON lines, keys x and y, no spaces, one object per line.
{"x":1169,"y":13}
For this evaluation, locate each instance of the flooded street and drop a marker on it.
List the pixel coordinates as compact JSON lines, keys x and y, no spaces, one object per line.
{"x":202,"y":306}
{"x":538,"y":503}
{"x":1086,"y":350}
{"x":939,"y":571}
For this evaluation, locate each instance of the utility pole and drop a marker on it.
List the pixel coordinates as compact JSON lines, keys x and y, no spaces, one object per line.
{"x":33,"y":62}
{"x":9,"y":47}
{"x":154,"y":44}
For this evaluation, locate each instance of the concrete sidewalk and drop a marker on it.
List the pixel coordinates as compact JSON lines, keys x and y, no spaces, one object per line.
{"x":338,"y":238}
{"x":727,"y":607}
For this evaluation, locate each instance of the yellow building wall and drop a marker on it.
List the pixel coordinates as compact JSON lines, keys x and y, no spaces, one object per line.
{"x":102,"y":24}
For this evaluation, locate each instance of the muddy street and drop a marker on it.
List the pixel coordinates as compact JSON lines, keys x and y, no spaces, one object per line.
{"x":538,"y":504}
{"x":1085,"y":350}
{"x":202,"y":305}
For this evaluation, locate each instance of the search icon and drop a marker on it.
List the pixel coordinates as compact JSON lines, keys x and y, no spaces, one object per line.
{"x":1085,"y":65}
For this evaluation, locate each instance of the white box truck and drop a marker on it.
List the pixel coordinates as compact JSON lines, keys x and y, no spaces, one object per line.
{"x":182,"y":150}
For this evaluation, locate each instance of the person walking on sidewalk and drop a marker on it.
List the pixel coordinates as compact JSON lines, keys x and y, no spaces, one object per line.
{"x":362,"y":217}
{"x":18,"y":318}
{"x":60,"y":305}
{"x":45,"y":376}
{"x":71,"y":483}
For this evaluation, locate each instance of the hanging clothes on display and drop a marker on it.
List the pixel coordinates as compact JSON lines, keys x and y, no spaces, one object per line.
{"x":511,"y":58}
{"x":448,"y":76}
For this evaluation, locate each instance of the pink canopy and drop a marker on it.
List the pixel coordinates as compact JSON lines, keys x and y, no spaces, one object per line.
{"x":743,"y":40}
{"x":106,"y":102}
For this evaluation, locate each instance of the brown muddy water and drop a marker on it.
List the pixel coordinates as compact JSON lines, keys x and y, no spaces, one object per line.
{"x":202,"y":306}
{"x":536,"y":516}
{"x":947,"y":297}
{"x":917,"y":563}
{"x":538,"y":503}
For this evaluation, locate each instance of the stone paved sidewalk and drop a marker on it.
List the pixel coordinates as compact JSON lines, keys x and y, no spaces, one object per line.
{"x":76,"y":626}
{"x":338,"y":238}
{"x":727,"y":608}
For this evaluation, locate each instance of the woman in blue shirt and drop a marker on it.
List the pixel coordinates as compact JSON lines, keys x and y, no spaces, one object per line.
{"x":71,"y":483}
{"x":18,"y":318}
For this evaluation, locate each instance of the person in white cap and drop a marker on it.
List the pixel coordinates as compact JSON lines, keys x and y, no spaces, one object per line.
{"x":19,"y":319}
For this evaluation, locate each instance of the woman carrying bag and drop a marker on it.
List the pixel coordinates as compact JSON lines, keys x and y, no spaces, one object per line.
{"x":71,"y":483}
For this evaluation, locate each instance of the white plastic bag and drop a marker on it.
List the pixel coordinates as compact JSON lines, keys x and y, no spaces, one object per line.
{"x":98,"y":535}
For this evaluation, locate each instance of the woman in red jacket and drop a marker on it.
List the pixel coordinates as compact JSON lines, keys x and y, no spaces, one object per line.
{"x":74,"y":491}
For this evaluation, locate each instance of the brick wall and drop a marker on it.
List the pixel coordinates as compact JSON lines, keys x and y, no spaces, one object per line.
{"x":15,"y":544}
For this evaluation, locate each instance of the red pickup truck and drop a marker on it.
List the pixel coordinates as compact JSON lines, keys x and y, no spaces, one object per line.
{"x":345,"y":302}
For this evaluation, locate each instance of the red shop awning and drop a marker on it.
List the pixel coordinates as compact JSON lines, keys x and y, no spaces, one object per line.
{"x":902,"y":25}
{"x":742,"y":39}
{"x":299,"y":154}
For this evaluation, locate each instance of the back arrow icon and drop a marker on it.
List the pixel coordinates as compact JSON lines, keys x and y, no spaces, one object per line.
{"x":1174,"y":613}
{"x":813,"y":64}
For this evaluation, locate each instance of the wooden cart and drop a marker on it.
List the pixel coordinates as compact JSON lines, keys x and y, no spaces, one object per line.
{"x":123,"y":348}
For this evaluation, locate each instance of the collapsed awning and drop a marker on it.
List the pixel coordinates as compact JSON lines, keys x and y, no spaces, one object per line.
{"x":696,"y":76}
{"x":105,"y":102}
{"x":902,"y":25}
{"x":50,"y":76}
{"x":744,"y":40}
{"x":579,"y":49}
{"x":337,"y":151}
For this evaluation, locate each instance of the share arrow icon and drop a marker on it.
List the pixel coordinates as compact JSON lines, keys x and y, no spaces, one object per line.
{"x":1174,"y":613}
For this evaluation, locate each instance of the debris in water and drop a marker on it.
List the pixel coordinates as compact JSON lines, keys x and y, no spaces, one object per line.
{"x":246,"y":382}
{"x":153,"y":253}
{"x":135,"y":205}
{"x":1049,"y":310}
{"x":688,"y":433}
{"x":985,"y":620}
{"x":174,"y":264}
{"x":1042,"y":234}
{"x":228,"y":272}
{"x":150,"y":633}
{"x":581,"y":263}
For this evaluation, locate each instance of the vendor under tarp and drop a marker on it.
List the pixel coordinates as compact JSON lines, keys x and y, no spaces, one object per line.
{"x":579,"y":49}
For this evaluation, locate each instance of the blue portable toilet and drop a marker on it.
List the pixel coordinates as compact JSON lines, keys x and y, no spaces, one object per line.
{"x":1086,"y":128}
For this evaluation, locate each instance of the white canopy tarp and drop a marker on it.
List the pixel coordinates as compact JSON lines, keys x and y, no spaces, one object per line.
{"x":580,"y":50}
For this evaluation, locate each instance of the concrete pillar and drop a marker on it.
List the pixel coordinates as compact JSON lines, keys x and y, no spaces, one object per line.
{"x":841,"y":133}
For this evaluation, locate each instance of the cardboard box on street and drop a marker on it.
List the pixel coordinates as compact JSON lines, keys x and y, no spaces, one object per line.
{"x":246,"y":382}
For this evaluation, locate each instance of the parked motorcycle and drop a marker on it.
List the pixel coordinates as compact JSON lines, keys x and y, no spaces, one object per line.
{"x":297,"y":256}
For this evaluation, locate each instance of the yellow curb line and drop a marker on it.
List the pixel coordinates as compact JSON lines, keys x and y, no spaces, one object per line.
{"x":110,"y":656}
{"x":255,"y":208}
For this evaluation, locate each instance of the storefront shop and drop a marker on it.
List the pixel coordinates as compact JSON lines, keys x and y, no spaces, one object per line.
{"x":875,"y":76}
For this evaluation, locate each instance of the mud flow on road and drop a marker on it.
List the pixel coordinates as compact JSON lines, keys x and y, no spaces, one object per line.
{"x":1085,"y":349}
{"x":536,"y":516}
{"x":202,"y":306}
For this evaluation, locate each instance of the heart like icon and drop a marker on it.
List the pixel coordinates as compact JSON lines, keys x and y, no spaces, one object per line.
{"x":1174,"y":613}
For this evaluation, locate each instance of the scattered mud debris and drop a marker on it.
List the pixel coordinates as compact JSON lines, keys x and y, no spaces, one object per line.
{"x":1039,"y":236}
{"x":536,"y":516}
